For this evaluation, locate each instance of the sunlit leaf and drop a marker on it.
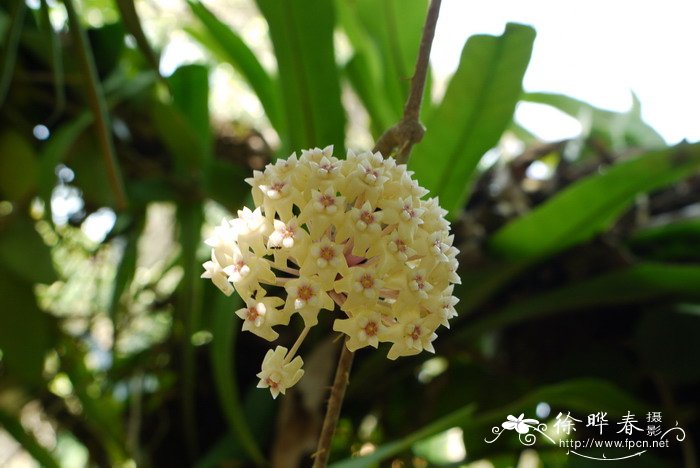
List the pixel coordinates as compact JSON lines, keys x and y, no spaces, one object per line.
{"x":189,"y":85}
{"x":621,"y":129}
{"x":232,"y":49}
{"x":385,"y":36}
{"x":589,"y":206}
{"x":131,"y":20}
{"x":302,"y":35}
{"x":97,"y":103}
{"x":477,"y":108}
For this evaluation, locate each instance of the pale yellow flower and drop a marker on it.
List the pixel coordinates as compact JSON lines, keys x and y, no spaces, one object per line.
{"x":349,"y":236}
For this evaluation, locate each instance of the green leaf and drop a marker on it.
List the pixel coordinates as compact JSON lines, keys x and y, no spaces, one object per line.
{"x":225,"y":329}
{"x":477,"y":108}
{"x":385,"y":36}
{"x":189,"y":85}
{"x":676,"y":241}
{"x":23,"y":252}
{"x":302,"y":36}
{"x":62,"y":140}
{"x":640,"y":284}
{"x":97,"y":104}
{"x":107,"y":45}
{"x":130,"y":17}
{"x":217,"y":180}
{"x":127,"y":264}
{"x":18,"y":166}
{"x":29,"y":443}
{"x":667,"y":342}
{"x":589,"y":206}
{"x":179,"y":138}
{"x":100,"y":410}
{"x":25,"y":331}
{"x":9,"y":51}
{"x":370,"y":93}
{"x":620,"y":129}
{"x":231,"y":48}
{"x":188,"y":310}
{"x":394,"y":28}
{"x":576,"y":395}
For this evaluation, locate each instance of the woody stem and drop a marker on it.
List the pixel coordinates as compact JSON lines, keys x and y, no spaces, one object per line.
{"x":409,"y":131}
{"x":400,"y":138}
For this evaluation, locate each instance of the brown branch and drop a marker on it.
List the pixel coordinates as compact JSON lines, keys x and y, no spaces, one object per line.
{"x":98,"y":105}
{"x":335,"y":402}
{"x":401,"y":137}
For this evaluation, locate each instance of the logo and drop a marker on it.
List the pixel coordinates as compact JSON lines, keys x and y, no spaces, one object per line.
{"x":626,"y":435}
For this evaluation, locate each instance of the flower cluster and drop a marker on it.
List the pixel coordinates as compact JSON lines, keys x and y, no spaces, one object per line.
{"x":352,"y":233}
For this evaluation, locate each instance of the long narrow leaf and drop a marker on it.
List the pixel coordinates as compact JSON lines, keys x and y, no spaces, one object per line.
{"x":477,"y":108}
{"x":575,"y":395}
{"x":641,"y":284}
{"x":238,"y":54}
{"x":188,"y":312}
{"x":189,"y":85}
{"x":10,"y":50}
{"x":385,"y":36}
{"x":225,"y":330}
{"x":57,"y":147}
{"x":97,"y":104}
{"x":56,"y":64}
{"x":302,"y":35}
{"x":623,"y":129}
{"x":589,"y":206}
{"x":131,"y":20}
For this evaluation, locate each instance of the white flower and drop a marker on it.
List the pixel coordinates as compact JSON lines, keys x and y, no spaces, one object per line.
{"x":213,"y":271}
{"x":259,"y":316}
{"x":354,"y":233}
{"x":277,"y":374}
{"x":363,"y":329}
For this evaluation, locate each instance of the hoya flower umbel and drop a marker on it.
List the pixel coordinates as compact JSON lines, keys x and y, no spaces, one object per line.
{"x":352,"y":237}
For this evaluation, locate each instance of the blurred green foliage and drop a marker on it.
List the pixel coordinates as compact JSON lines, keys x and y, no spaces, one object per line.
{"x":580,"y":289}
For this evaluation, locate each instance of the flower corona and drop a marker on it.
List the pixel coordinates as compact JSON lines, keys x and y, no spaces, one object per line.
{"x":353,"y":234}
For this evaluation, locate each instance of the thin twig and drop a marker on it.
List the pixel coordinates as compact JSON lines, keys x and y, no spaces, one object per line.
{"x":335,"y":402}
{"x":297,"y":344}
{"x":98,"y":106}
{"x":401,"y":137}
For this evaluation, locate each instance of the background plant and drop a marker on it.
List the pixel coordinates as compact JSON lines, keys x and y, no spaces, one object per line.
{"x":580,"y":289}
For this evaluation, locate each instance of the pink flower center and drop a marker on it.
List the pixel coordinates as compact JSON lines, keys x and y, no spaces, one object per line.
{"x":305,"y":292}
{"x":371,"y":328}
{"x":252,"y":314}
{"x":327,"y":200}
{"x":366,"y":217}
{"x":415,"y":334}
{"x":367,"y":281}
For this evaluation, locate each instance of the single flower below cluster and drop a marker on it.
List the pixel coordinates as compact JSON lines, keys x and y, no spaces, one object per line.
{"x":353,"y":234}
